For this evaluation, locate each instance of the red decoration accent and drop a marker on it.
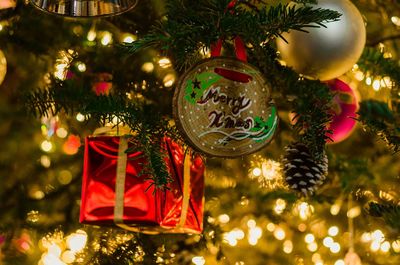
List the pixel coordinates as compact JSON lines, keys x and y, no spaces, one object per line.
{"x":148,"y":208}
{"x":345,"y":109}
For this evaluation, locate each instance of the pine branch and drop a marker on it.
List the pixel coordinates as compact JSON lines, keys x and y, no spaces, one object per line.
{"x":151,"y":127}
{"x":377,"y":117}
{"x":191,"y":26}
{"x":389,"y":211}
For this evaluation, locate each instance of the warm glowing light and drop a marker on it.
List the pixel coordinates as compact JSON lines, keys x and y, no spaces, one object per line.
{"x":375,"y":246}
{"x":368,"y":81}
{"x":148,"y":67}
{"x":254,"y":235}
{"x":128,"y":38}
{"x":279,"y":234}
{"x":257,"y":172}
{"x":288,"y":246}
{"x":223,"y":218}
{"x":80,"y":117}
{"x":359,"y":75}
{"x":302,"y":227}
{"x":377,"y":235}
{"x":55,"y":250}
{"x":395,"y":20}
{"x":169,"y":80}
{"x":50,"y":259}
{"x":335,"y":208}
{"x":230,"y":238}
{"x":309,"y":238}
{"x":339,"y":262}
{"x":328,"y":242}
{"x":333,"y":231}
{"x":385,"y":247}
{"x":1,"y":27}
{"x":376,"y":85}
{"x":81,"y":66}
{"x":319,"y":263}
{"x":45,"y":161}
{"x":77,"y":241}
{"x":68,"y":256}
{"x":396,"y":246}
{"x":164,"y":63}
{"x":199,"y":260}
{"x":238,"y":233}
{"x":106,"y":39}
{"x":312,"y":247}
{"x":46,"y":146}
{"x":270,"y":227}
{"x":280,"y":206}
{"x":64,"y":177}
{"x":305,"y":210}
{"x":91,"y":36}
{"x":354,"y":212}
{"x":61,"y":132}
{"x":316,"y":257}
{"x":251,"y":223}
{"x":335,"y":248}
{"x":366,"y":237}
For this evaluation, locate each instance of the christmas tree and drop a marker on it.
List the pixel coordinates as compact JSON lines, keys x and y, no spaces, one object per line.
{"x":297,"y":125}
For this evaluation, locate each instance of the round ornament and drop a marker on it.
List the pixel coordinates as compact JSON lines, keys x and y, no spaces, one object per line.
{"x":3,"y":67}
{"x":345,"y":107}
{"x":326,"y":53}
{"x":224,"y":108}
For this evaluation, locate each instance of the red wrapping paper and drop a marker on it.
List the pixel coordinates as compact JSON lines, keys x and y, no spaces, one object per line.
{"x":145,"y":209}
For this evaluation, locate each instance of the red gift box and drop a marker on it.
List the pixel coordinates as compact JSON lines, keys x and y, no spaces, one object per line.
{"x":114,"y":191}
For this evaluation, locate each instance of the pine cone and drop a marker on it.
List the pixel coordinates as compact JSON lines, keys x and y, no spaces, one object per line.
{"x":302,"y":172}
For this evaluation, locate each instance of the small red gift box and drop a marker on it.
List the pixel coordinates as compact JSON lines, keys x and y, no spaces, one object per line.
{"x":114,"y":191}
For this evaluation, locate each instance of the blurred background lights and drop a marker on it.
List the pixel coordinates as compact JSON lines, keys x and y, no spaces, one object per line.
{"x":279,"y":234}
{"x":335,"y":248}
{"x":288,"y":246}
{"x":280,"y":206}
{"x":333,"y":231}
{"x":309,"y":238}
{"x":340,"y":262}
{"x":45,"y":161}
{"x":385,"y":247}
{"x":81,"y":66}
{"x":257,"y":172}
{"x":46,"y":146}
{"x":61,"y":132}
{"x":312,"y":247}
{"x":328,"y":242}
{"x":198,"y":260}
{"x":354,"y":212}
{"x":148,"y":67}
{"x":77,"y":241}
{"x":91,"y":36}
{"x":223,"y":218}
{"x":254,"y":235}
{"x":128,"y":38}
{"x":395,"y":20}
{"x":106,"y":39}
{"x":164,"y":63}
{"x":396,"y":246}
{"x":270,"y":227}
{"x":80,"y":117}
{"x":169,"y":80}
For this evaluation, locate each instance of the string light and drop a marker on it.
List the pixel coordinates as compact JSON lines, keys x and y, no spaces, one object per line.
{"x":385,"y":246}
{"x":199,"y":260}
{"x":303,"y":210}
{"x":335,"y":248}
{"x":91,"y":36}
{"x":164,"y":63}
{"x":106,"y":39}
{"x":279,"y":234}
{"x":309,"y":238}
{"x":148,"y":67}
{"x":61,"y":132}
{"x":333,"y":231}
{"x":223,"y":218}
{"x":46,"y":146}
{"x":79,"y":117}
{"x":270,"y":227}
{"x":280,"y":206}
{"x":328,"y":242}
{"x":45,"y":161}
{"x":267,"y":172}
{"x":288,"y":246}
{"x":339,"y":262}
{"x":354,"y":212}
{"x":312,"y":247}
{"x":169,"y":80}
{"x":128,"y":38}
{"x":81,"y":66}
{"x":396,"y":246}
{"x":395,"y":20}
{"x":77,"y":241}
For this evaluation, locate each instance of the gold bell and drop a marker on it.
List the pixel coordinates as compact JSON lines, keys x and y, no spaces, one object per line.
{"x":85,"y":8}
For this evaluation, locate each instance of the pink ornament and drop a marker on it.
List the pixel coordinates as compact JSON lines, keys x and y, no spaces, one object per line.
{"x":345,"y":107}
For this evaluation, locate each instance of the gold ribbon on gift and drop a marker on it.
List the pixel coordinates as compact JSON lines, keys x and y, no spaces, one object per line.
{"x":112,"y":131}
{"x":120,"y":192}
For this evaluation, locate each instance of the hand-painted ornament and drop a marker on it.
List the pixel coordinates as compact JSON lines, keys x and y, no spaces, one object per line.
{"x":3,"y":67}
{"x":326,"y":53}
{"x":345,"y":107}
{"x":85,"y":8}
{"x":224,"y":109}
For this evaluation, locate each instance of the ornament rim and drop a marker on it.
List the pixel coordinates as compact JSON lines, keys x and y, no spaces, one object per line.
{"x":45,"y":9}
{"x":179,"y":125}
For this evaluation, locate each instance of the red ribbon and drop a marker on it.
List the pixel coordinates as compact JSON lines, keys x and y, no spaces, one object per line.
{"x":240,"y":47}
